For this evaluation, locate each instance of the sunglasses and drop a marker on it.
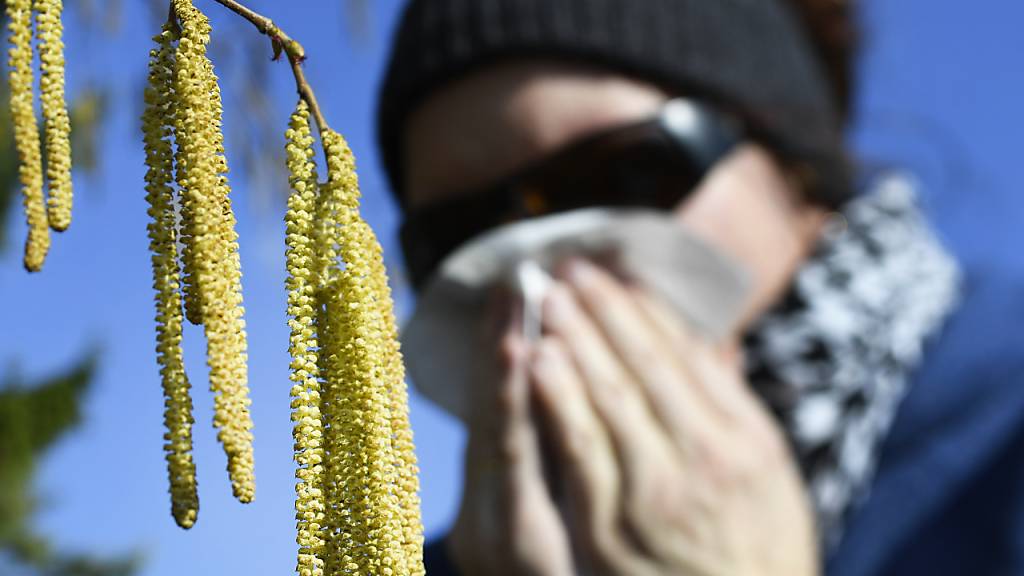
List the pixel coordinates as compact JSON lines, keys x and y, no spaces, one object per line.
{"x":656,"y":163}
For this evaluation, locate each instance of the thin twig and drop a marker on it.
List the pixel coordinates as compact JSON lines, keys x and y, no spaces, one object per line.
{"x":292,"y":49}
{"x":306,"y":93}
{"x":172,"y":20}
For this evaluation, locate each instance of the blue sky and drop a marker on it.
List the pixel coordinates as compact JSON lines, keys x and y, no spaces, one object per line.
{"x":942,"y":94}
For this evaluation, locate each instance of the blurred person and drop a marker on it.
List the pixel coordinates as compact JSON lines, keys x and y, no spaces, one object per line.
{"x":623,"y":441}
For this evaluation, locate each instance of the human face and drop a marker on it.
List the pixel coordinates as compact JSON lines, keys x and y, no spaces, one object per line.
{"x":483,"y":128}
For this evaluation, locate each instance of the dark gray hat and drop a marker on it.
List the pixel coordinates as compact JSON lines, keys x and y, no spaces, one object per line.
{"x":750,"y":57}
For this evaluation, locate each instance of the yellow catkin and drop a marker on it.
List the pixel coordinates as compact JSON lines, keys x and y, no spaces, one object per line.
{"x":406,"y":471}
{"x":372,"y":518}
{"x":305,"y":391}
{"x":49,"y":32}
{"x":339,"y":522}
{"x":157,"y":121}
{"x":186,"y":228}
{"x":355,"y":510}
{"x":187,"y":233}
{"x":26,"y":132}
{"x":211,"y":257}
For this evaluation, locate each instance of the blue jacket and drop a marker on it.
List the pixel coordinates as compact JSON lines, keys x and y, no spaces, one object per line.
{"x":948,"y":497}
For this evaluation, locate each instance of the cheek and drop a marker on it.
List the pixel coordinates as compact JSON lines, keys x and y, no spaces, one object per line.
{"x":747,"y":221}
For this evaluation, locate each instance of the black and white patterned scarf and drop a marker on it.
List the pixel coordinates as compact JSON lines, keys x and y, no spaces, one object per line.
{"x":833,"y":359}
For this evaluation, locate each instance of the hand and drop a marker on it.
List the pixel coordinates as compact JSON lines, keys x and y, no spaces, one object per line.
{"x":669,"y":464}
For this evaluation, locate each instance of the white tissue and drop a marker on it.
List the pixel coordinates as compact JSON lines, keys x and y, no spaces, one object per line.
{"x":446,"y":353}
{"x":533,"y":283}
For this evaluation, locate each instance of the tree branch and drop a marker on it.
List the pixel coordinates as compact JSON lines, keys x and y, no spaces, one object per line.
{"x":293,"y":50}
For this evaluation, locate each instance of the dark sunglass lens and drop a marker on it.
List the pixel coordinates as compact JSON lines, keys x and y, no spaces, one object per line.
{"x":651,"y":164}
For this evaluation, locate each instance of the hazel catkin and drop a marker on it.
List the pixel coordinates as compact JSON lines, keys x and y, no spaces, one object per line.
{"x":305,"y":391}
{"x":157,"y":123}
{"x":211,"y":255}
{"x":357,"y":502}
{"x":372,"y":518}
{"x":49,"y":33}
{"x":404,"y":462}
{"x":26,"y":133}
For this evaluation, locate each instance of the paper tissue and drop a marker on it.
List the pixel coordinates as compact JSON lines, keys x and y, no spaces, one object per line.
{"x":448,"y":359}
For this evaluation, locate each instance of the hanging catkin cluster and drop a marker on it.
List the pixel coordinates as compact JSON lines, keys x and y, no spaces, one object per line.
{"x":183,"y":114}
{"x":303,"y":346}
{"x":357,"y":500}
{"x":41,"y":213}
{"x":157,"y":121}
{"x":357,"y":495}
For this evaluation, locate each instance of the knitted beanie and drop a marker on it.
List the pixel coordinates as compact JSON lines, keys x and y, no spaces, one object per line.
{"x":749,"y":57}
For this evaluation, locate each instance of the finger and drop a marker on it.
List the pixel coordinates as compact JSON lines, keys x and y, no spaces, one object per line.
{"x":539,"y":542}
{"x":585,"y":456}
{"x":487,"y":417}
{"x":618,"y":401}
{"x":647,"y":460}
{"x":479,"y":536}
{"x":514,"y":409}
{"x":664,"y":381}
{"x":587,"y":464}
